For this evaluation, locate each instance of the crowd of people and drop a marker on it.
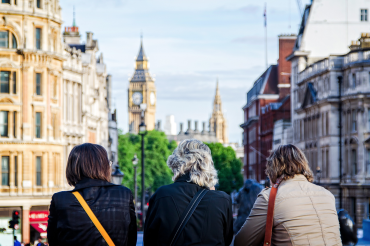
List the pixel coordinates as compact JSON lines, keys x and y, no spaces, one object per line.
{"x":293,"y":211}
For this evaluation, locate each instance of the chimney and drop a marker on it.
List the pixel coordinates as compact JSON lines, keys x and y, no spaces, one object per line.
{"x":286,"y":45}
{"x":89,"y":39}
{"x":204,"y":128}
{"x":189,"y":130}
{"x":181,"y":129}
{"x":196,"y":127}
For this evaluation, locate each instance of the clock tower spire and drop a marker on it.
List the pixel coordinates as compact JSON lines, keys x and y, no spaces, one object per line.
{"x":141,"y":91}
{"x":217,"y":122}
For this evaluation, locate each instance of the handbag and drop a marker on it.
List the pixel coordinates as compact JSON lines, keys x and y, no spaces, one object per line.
{"x":93,"y":218}
{"x":184,"y":218}
{"x":270,"y":213}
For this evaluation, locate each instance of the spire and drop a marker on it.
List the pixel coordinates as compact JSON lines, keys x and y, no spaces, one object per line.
{"x":141,"y":56}
{"x":217,"y":90}
{"x":74,"y":17}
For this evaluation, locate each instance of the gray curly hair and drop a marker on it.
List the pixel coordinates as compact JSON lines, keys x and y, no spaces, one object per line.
{"x":195,"y":157}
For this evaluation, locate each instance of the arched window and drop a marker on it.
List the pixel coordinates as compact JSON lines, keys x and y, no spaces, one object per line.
{"x":7,"y":40}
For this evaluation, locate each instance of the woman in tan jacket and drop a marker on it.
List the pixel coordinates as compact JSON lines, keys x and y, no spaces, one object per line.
{"x":304,"y":213}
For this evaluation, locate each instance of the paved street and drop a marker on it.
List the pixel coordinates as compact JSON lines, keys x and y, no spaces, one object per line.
{"x":139,"y":238}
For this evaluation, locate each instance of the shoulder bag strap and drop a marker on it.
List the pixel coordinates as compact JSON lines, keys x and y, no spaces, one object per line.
{"x":270,"y":213}
{"x":184,"y":218}
{"x":93,"y":218}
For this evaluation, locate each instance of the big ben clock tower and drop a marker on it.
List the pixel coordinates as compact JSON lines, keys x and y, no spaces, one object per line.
{"x":141,"y":91}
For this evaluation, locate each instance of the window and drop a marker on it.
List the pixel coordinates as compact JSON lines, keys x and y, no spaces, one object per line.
{"x":368,"y":162}
{"x":38,"y":125}
{"x":3,"y":123}
{"x":38,"y":4}
{"x":363,"y":14}
{"x":14,"y":82}
{"x":5,"y":170}
{"x":327,"y":124}
{"x":38,"y":84}
{"x":38,"y":38}
{"x":55,"y":87}
{"x":4,"y":81}
{"x":354,"y":161}
{"x":53,"y":123}
{"x":327,"y":174}
{"x":16,"y":170}
{"x":368,"y":119}
{"x":353,"y":80}
{"x":4,"y":39}
{"x":14,"y":42}
{"x":354,"y":121}
{"x":38,"y":170}
{"x":5,"y":1}
{"x":15,"y":124}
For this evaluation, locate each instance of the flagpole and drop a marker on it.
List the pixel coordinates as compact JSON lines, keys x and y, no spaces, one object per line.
{"x":266,"y":35}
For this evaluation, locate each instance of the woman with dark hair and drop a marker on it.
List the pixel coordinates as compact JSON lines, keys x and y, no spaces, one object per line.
{"x":294,"y":211}
{"x":95,"y":212}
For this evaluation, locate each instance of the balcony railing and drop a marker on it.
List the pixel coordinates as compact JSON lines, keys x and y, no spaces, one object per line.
{"x":333,"y":62}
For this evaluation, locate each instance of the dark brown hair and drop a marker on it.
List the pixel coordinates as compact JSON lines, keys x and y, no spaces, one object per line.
{"x":285,"y":162}
{"x":87,"y":160}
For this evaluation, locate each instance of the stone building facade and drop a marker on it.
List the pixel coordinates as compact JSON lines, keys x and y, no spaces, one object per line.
{"x":321,"y":55}
{"x":332,"y":125}
{"x":141,"y":91}
{"x":268,"y":101}
{"x":53,"y":96}
{"x":31,"y":67}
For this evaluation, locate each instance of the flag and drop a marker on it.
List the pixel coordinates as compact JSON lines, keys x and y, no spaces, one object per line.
{"x":264,"y":15}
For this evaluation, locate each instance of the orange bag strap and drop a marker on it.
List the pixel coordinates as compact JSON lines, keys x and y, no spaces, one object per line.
{"x":270,"y":213}
{"x":93,"y":218}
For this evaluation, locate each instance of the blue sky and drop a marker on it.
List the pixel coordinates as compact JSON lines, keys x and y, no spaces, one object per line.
{"x":189,"y":44}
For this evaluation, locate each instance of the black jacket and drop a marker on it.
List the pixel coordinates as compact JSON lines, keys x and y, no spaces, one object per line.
{"x":112,"y":205}
{"x":211,"y":223}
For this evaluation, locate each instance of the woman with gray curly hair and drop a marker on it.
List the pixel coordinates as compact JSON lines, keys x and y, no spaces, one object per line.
{"x":190,"y":211}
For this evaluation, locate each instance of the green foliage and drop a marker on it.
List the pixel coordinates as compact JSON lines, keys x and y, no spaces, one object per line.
{"x":157,"y":150}
{"x":228,"y":167}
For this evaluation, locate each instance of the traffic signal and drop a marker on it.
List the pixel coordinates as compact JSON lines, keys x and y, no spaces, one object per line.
{"x":15,"y":219}
{"x":11,"y":224}
{"x":15,"y":216}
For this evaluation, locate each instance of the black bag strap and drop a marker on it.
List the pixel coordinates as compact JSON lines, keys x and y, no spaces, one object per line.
{"x":184,"y":218}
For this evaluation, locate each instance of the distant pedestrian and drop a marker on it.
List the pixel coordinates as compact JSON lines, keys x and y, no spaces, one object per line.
{"x":174,"y":218}
{"x":302,"y":213}
{"x":39,"y":243}
{"x":16,"y":242}
{"x":96,"y":212}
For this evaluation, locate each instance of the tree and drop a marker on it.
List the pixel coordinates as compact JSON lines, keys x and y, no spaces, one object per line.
{"x":228,"y":167}
{"x":157,"y":150}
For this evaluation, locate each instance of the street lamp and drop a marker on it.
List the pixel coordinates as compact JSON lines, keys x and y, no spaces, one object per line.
{"x":142,"y":132}
{"x":135,"y":160}
{"x":117,"y":176}
{"x":318,"y":173}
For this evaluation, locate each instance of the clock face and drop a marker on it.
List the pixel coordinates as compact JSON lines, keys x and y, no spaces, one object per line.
{"x":152,"y":98}
{"x":137,"y":98}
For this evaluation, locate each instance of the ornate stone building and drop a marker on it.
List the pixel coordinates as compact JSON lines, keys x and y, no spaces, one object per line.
{"x":141,"y":91}
{"x":217,"y":122}
{"x":53,"y":96}
{"x":31,"y":107}
{"x":335,"y":92}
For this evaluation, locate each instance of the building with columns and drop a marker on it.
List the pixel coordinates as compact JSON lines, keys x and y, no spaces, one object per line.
{"x":335,"y":143}
{"x":54,"y":94}
{"x":31,"y":107}
{"x":335,"y":92}
{"x":217,"y":122}
{"x":141,"y":91}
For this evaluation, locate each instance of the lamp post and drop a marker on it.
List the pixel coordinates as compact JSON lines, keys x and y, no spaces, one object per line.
{"x":318,"y":173}
{"x":134,"y":162}
{"x":142,"y":132}
{"x":117,"y":176}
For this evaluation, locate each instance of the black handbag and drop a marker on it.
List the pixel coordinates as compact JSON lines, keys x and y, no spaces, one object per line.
{"x":184,"y":218}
